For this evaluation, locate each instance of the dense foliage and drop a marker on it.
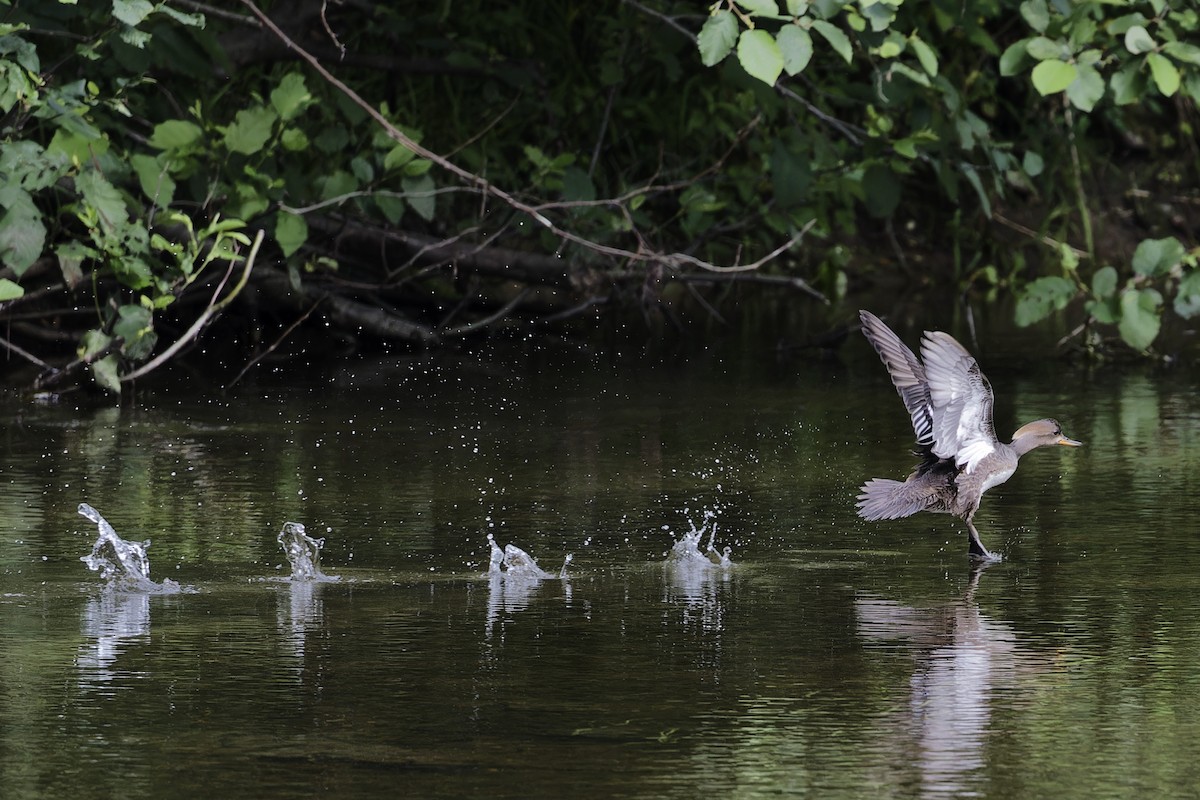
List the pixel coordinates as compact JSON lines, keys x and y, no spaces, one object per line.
{"x":424,"y":173}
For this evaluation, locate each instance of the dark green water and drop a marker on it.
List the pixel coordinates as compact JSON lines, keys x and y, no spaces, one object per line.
{"x":838,"y":658}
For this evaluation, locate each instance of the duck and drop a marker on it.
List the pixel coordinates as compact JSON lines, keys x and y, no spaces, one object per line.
{"x":949,"y":401}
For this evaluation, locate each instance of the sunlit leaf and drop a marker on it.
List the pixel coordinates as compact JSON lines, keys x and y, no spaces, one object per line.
{"x":175,"y":134}
{"x":10,"y":290}
{"x":1051,"y":77}
{"x":132,"y":12}
{"x":291,"y":96}
{"x":1086,"y":90}
{"x":250,"y":130}
{"x":760,"y":7}
{"x":925,"y":55}
{"x":1183,"y":51}
{"x":717,"y":37}
{"x":104,"y":372}
{"x":1165,"y":75}
{"x":759,"y":55}
{"x":836,"y":38}
{"x":1036,"y":14}
{"x":1138,"y":40}
{"x":1044,"y":49}
{"x":796,"y":45}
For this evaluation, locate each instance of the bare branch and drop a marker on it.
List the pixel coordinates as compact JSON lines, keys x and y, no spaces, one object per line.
{"x":486,"y":187}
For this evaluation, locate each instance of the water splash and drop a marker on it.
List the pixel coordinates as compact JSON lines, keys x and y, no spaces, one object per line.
{"x":303,"y":553}
{"x":686,"y":552}
{"x":122,"y":565}
{"x":513,"y":562}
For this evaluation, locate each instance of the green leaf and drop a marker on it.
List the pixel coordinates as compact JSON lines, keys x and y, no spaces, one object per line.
{"x":1166,"y":76}
{"x":760,"y":7}
{"x":175,"y":134}
{"x":105,"y":199}
{"x":1044,"y":49}
{"x":133,"y":271}
{"x":291,"y":96}
{"x":419,"y":194}
{"x":1086,"y":90}
{"x":1154,"y":257}
{"x":93,"y":342}
{"x":104,"y":372}
{"x":294,"y":139}
{"x":1187,"y":298}
{"x":836,"y":38}
{"x":796,"y":45}
{"x":1012,"y":61}
{"x":973,"y":178}
{"x":1182,"y":51}
{"x":397,"y":157}
{"x":1104,"y":282}
{"x":1036,"y":14}
{"x":135,"y":325}
{"x":577,"y":185}
{"x":1138,"y":40}
{"x":10,"y":290}
{"x":1139,"y":322}
{"x":250,"y":130}
{"x":71,"y":255}
{"x":892,"y":46}
{"x":132,"y":12}
{"x":1033,"y":164}
{"x":925,"y":55}
{"x":156,"y":184}
{"x":1126,"y":85}
{"x":759,"y":55}
{"x":291,"y":231}
{"x":1042,"y":297}
{"x":717,"y":37}
{"x":919,"y":78}
{"x":22,"y":233}
{"x":1051,"y":77}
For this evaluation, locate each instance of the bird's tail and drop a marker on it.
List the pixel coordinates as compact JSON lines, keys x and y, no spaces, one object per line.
{"x":882,"y":498}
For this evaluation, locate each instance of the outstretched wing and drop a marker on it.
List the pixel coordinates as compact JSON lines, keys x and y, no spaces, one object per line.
{"x":907,"y":374}
{"x":961,"y":400}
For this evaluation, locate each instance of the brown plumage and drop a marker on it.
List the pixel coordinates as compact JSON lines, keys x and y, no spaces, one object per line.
{"x":950,"y":403}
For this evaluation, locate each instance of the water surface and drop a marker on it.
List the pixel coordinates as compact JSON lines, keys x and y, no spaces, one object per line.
{"x":836,"y":658}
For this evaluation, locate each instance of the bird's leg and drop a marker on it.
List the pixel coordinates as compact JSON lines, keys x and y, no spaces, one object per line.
{"x":976,"y":549}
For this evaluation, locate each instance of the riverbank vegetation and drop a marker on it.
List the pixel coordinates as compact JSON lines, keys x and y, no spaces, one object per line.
{"x":241,"y":172}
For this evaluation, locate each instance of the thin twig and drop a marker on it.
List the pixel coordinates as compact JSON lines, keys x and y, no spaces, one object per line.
{"x":250,"y":364}
{"x":1037,"y":237}
{"x":463,"y":330}
{"x":23,"y":353}
{"x":485,"y":186}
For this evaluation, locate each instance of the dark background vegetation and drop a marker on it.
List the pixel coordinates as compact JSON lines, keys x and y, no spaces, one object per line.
{"x":424,"y":174}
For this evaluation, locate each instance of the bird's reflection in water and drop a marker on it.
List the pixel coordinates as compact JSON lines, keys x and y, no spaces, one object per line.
{"x":962,"y":660}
